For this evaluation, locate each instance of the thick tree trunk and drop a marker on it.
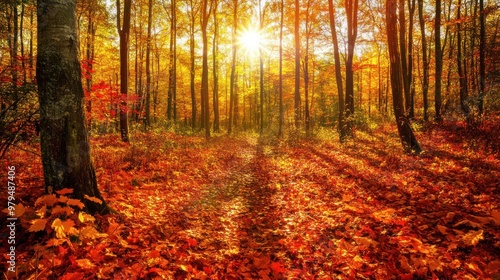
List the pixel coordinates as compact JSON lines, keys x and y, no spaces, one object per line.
{"x":63,"y":134}
{"x":410,"y":143}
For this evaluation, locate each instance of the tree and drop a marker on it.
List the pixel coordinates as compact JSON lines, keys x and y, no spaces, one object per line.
{"x":297,"y":65}
{"x":351,"y":9}
{"x":425,"y":59}
{"x":123,"y":31}
{"x":215,"y":71}
{"x":205,"y":15}
{"x":280,"y":128}
{"x":410,"y":143}
{"x":63,"y":133}
{"x":439,"y":61}
{"x":232,"y":94}
{"x":148,"y":65}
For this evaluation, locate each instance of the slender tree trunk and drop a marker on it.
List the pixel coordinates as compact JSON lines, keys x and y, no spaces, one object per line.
{"x":148,"y":65}
{"x":439,"y":62}
{"x":280,"y":127}
{"x":172,"y":80}
{"x":215,"y":70}
{"x":461,"y":75}
{"x":261,"y":73}
{"x":21,"y":42}
{"x":192,"y":71}
{"x":232,"y":79}
{"x":351,"y":8}
{"x":63,"y":134}
{"x":124,"y":32}
{"x":306,"y":72}
{"x":482,"y":47}
{"x":205,"y":13}
{"x":410,"y":143}
{"x":338,"y":74}
{"x":297,"y":65}
{"x":425,"y":60}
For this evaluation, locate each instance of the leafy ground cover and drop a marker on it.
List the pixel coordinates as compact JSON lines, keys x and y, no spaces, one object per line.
{"x":250,"y":208}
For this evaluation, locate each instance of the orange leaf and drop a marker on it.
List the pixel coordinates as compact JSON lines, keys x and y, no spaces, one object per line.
{"x":84,"y":217}
{"x":64,"y":191}
{"x":93,"y":199}
{"x":75,"y":202}
{"x":73,"y":276}
{"x":48,"y":200}
{"x":38,"y":225}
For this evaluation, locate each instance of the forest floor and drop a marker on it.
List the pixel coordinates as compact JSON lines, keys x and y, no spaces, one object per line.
{"x":246,"y":207}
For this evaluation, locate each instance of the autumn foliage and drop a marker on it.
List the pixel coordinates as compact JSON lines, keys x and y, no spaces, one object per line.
{"x":258,"y":208}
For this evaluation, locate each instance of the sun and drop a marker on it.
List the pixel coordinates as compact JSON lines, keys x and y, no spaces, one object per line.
{"x":251,"y":40}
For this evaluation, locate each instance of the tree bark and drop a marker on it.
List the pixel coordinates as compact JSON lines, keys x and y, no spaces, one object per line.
{"x":338,"y":74}
{"x":351,"y":8}
{"x":439,"y":62}
{"x":215,"y":70}
{"x":280,"y":126}
{"x":410,"y":143}
{"x":124,"y":32}
{"x":148,"y":65}
{"x":425,"y":60}
{"x":232,"y":79}
{"x":297,"y":66}
{"x":63,"y":134}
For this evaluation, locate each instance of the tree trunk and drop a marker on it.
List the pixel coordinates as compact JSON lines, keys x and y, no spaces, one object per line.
{"x":351,"y":8}
{"x":215,"y":70}
{"x":204,"y":70}
{"x":461,"y":75}
{"x":482,"y":47}
{"x":192,"y":72}
{"x":297,"y":65}
{"x":410,"y":143}
{"x":63,"y":135}
{"x":425,"y":60}
{"x":148,"y":66}
{"x":261,"y":73}
{"x":439,"y":62}
{"x":280,"y":127}
{"x":338,"y":74}
{"x":124,"y":32}
{"x":232,"y":79}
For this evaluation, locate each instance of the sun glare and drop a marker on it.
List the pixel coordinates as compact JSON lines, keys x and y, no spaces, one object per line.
{"x":251,"y":40}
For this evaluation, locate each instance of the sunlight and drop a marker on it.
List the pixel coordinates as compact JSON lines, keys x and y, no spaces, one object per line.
{"x":251,"y":40}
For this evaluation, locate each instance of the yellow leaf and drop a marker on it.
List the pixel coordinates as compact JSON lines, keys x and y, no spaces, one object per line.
{"x":75,"y":202}
{"x":84,"y":217}
{"x":64,"y":191}
{"x":367,"y":242}
{"x":91,"y":232}
{"x":85,"y":263}
{"x":472,"y":237}
{"x":62,"y":228}
{"x":38,"y":225}
{"x":93,"y":199}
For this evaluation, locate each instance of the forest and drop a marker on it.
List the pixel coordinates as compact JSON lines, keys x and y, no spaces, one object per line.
{"x":257,"y":139}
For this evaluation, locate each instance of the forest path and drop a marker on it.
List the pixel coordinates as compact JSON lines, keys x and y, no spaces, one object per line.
{"x":239,"y":227}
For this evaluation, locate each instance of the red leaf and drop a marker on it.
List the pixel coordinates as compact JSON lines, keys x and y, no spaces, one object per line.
{"x":276,"y":267}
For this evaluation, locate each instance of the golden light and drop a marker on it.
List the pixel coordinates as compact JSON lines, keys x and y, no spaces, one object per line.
{"x":251,"y":40}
